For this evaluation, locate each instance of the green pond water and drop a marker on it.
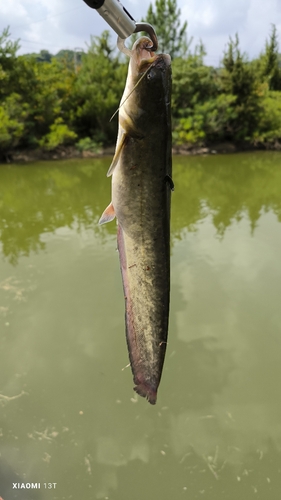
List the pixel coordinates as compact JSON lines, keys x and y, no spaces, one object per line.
{"x":69,"y":419}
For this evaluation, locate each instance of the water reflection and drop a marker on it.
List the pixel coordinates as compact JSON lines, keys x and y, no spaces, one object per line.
{"x":37,"y":199}
{"x":227,"y":187}
{"x":216,"y":429}
{"x":227,"y":319}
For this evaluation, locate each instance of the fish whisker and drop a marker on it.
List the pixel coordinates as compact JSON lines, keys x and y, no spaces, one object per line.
{"x":134,"y":88}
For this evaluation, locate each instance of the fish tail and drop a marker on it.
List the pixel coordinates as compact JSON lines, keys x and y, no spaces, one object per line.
{"x":143,"y":386}
{"x":146,"y":391}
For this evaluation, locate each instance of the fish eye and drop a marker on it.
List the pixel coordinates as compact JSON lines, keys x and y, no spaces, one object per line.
{"x":153,"y":74}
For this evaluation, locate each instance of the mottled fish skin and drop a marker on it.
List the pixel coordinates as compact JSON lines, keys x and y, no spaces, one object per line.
{"x":141,"y":192}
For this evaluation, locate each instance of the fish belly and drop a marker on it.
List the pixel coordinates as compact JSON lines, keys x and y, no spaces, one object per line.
{"x":141,"y":198}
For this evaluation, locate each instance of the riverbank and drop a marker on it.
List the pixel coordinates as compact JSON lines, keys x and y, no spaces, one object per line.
{"x":31,"y":155}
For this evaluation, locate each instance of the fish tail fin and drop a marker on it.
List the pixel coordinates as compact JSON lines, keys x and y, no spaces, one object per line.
{"x":146,"y":392}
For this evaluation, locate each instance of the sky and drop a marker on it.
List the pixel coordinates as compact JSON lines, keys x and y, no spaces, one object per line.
{"x":68,"y":24}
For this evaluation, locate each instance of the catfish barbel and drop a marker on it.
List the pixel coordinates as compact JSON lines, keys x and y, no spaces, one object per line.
{"x":141,"y":196}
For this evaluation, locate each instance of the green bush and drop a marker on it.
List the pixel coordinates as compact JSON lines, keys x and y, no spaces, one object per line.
{"x":59,"y":135}
{"x":269,"y":129}
{"x":88,"y":144}
{"x":11,"y":122}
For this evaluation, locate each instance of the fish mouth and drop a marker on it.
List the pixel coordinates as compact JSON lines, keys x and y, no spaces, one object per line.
{"x":158,"y":61}
{"x":145,"y":57}
{"x":161,"y":61}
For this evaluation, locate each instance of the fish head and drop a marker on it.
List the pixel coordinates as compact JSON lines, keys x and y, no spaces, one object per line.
{"x":148,"y":70}
{"x":148,"y":82}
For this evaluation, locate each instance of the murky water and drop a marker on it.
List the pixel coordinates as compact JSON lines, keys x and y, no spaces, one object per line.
{"x":69,"y":419}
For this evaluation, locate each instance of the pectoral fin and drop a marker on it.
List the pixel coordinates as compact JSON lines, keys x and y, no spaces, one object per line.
{"x":108,"y":215}
{"x":170,"y":182}
{"x":118,"y":151}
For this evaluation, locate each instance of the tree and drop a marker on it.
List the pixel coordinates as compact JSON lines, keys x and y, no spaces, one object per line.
{"x":270,"y":61}
{"x":193,"y":82}
{"x":47,"y":88}
{"x":98,"y":90}
{"x":41,"y":94}
{"x":239,"y":78}
{"x":8,"y":50}
{"x":172,"y":37}
{"x":44,"y":56}
{"x":195,"y":87}
{"x":12,"y":114}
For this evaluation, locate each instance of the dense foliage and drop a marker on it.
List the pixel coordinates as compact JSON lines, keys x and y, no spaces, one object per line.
{"x":51,"y":101}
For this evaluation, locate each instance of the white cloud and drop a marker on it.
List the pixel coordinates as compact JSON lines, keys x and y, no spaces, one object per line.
{"x":53,"y":24}
{"x":214,"y":21}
